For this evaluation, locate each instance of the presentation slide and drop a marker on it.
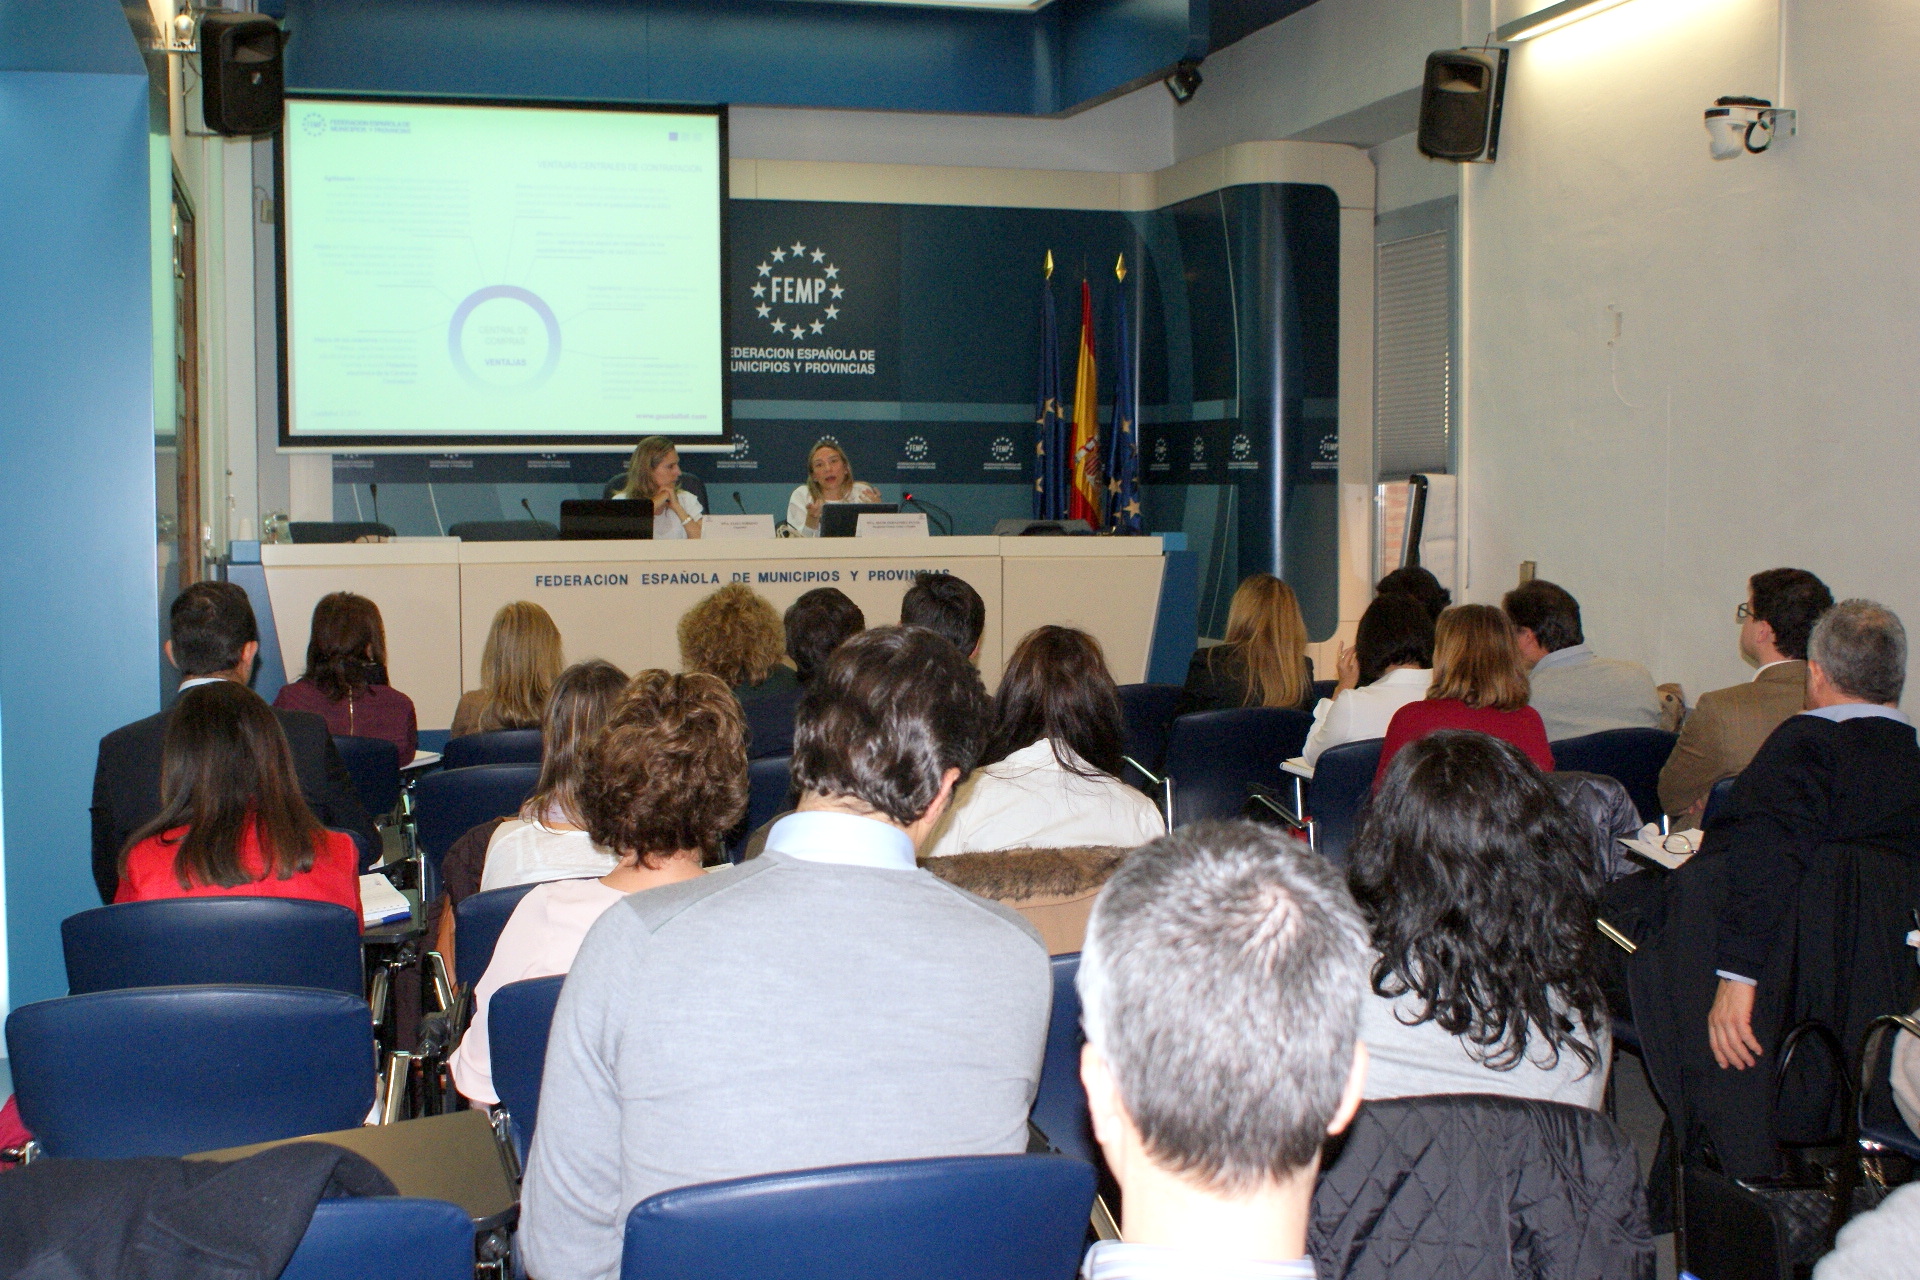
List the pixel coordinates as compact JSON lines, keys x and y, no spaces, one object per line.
{"x":461,"y":275}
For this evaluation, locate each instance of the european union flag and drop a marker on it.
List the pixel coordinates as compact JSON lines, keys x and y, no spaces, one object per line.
{"x":1123,"y":460}
{"x":1051,"y":445}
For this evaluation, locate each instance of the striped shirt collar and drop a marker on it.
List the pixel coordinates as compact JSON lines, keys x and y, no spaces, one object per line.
{"x":1116,"y":1260}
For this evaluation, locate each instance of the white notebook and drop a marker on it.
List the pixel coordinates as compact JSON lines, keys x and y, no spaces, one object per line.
{"x":380,"y":902}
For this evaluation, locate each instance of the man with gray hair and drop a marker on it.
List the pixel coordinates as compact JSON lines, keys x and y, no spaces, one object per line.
{"x":1221,"y":982}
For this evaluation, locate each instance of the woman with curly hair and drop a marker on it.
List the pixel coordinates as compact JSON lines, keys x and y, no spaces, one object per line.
{"x":737,"y":636}
{"x":660,"y":786}
{"x":1476,"y":884}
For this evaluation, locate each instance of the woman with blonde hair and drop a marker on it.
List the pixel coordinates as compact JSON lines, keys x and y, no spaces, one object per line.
{"x":737,"y":635}
{"x":518,"y":666}
{"x":1479,"y":683}
{"x":829,"y":479}
{"x":654,"y":473}
{"x":1263,"y":661}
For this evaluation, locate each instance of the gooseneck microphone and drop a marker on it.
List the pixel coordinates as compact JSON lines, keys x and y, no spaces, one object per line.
{"x":529,"y":507}
{"x":374,"y":490}
{"x":738,"y":503}
{"x":933,"y":508}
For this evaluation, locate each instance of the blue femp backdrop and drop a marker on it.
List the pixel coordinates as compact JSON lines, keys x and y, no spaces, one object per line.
{"x":910,"y":334}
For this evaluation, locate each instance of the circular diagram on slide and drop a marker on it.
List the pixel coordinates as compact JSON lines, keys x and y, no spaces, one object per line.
{"x":504,"y":338}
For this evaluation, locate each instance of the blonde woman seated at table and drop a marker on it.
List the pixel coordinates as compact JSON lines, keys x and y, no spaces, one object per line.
{"x":1386,"y":668}
{"x":663,"y":784}
{"x":654,"y":473}
{"x":1054,"y":755}
{"x":518,"y":665}
{"x":829,"y":479}
{"x":548,"y":840}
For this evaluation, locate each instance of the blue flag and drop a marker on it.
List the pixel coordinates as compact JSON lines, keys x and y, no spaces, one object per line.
{"x":1051,"y":443}
{"x":1123,"y":459}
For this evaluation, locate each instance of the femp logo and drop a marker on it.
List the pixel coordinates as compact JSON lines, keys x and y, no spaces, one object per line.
{"x":1240,"y":454}
{"x":738,"y":460}
{"x":1003,"y":449}
{"x":1162,"y":456}
{"x":1002,"y":455}
{"x":797,"y":291}
{"x":313,"y":124}
{"x":915,"y":459}
{"x":1199,"y":460}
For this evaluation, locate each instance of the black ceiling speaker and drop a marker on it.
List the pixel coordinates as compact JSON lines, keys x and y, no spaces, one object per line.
{"x":241,"y":78}
{"x":1460,"y":104}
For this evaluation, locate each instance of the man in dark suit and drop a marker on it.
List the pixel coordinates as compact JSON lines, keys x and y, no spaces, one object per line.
{"x":214,"y":637}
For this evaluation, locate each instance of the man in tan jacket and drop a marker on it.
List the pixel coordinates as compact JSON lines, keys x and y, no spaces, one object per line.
{"x":1729,"y":725}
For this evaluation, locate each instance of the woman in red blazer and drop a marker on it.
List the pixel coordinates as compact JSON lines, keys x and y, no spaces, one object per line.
{"x":232,"y":821}
{"x":1478,"y":684}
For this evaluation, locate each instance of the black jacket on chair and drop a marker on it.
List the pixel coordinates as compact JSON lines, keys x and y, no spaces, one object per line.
{"x":1217,"y":681}
{"x":126,"y":787}
{"x":1476,"y":1187}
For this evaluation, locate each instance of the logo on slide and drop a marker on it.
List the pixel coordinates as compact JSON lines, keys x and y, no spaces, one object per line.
{"x":504,"y":338}
{"x":797,"y":291}
{"x":313,"y":124}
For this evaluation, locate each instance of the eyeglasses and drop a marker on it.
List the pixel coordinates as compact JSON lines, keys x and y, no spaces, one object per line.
{"x":1742,"y":612}
{"x":1677,"y":843}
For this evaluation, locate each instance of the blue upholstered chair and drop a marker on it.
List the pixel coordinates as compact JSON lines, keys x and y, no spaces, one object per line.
{"x":384,"y":1238}
{"x":519,"y":1019}
{"x":1634,"y":756}
{"x":1215,"y":758}
{"x":280,"y":942}
{"x":1148,"y":709}
{"x":1342,"y":781}
{"x":374,"y":764}
{"x":478,"y":919}
{"x":166,"y":1071}
{"x":957,"y":1218}
{"x":498,"y":746}
{"x":1060,"y":1103}
{"x":450,"y":803}
{"x":769,"y":787}
{"x":1717,"y":798}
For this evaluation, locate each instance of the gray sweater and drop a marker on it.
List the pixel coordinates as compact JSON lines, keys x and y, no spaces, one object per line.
{"x":1577,"y":693}
{"x":781,"y":1014}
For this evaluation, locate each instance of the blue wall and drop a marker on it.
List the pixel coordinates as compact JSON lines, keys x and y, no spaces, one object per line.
{"x":78,"y":599}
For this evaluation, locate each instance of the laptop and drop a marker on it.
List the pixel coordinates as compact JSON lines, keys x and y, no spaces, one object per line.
{"x":841,"y":519}
{"x":582,"y":518}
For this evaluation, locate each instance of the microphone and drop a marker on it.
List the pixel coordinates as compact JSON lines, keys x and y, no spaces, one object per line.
{"x":529,"y":507}
{"x":932,"y":507}
{"x":738,"y":503}
{"x":374,"y":490}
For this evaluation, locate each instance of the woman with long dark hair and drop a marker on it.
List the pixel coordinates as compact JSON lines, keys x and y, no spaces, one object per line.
{"x":1478,"y":887}
{"x":1053,"y":758}
{"x":232,"y":822}
{"x":345,"y":683}
{"x":1388,"y":666}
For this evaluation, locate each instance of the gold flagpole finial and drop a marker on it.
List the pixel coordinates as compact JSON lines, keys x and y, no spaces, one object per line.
{"x":1049,"y":264}
{"x":1120,"y":268}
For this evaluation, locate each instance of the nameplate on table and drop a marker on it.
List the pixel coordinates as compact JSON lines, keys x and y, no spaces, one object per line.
{"x":903,"y":524}
{"x":738,"y":527}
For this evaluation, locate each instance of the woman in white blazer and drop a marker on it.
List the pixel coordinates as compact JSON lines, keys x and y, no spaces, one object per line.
{"x":1387,"y":668}
{"x":829,"y":479}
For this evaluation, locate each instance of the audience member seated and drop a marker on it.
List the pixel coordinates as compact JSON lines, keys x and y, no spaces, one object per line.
{"x":870,"y":1012}
{"x":213,"y":638}
{"x":1053,"y":758}
{"x":518,"y":665}
{"x":1388,"y":666}
{"x":1263,"y":661}
{"x":1418,"y":582}
{"x":947,"y":606}
{"x":1575,"y":691}
{"x":1727,"y":727}
{"x":1053,"y":888}
{"x":816,"y":624}
{"x":548,"y":839}
{"x":1478,"y":684}
{"x":345,"y":683}
{"x":232,"y":823}
{"x":662,"y":784}
{"x":1480,"y":892}
{"x":1797,"y":904}
{"x":1220,"y":989}
{"x":736,"y":635}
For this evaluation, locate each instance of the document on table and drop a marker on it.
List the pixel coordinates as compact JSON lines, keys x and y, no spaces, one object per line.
{"x":380,"y":902}
{"x":1651,"y":845}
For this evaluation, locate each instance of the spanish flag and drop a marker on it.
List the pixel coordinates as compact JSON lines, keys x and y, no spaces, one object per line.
{"x":1084,"y":480}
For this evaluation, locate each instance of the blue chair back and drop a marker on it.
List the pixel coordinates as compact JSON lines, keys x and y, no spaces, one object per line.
{"x":770,"y":724}
{"x":1633,"y":756}
{"x":448,"y":804}
{"x":1216,"y":757}
{"x":166,"y":1071}
{"x":478,"y":919}
{"x":519,"y":1019}
{"x":769,"y":786}
{"x":956,"y":1218}
{"x":1323,"y":689}
{"x":1060,"y":1103}
{"x":1148,"y":710}
{"x":498,"y":746}
{"x":168,"y":942}
{"x":1717,"y":798}
{"x":1342,"y":781}
{"x":384,"y":1238}
{"x":374,"y":764}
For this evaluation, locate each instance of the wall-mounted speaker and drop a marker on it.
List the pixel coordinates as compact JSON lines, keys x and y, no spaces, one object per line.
{"x":241,"y":78}
{"x":1460,"y":104}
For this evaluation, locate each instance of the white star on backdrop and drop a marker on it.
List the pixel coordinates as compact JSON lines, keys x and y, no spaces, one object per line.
{"x":779,"y":255}
{"x":762,"y":310}
{"x":818,"y":255}
{"x":765,"y":270}
{"x":779,"y":326}
{"x":817,"y":326}
{"x":798,"y":248}
{"x":833,"y":313}
{"x":832,"y":272}
{"x":759,"y":291}
{"x":836,"y":291}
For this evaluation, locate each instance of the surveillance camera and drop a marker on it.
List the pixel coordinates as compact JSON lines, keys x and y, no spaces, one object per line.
{"x":1736,"y":125}
{"x":1185,"y":80}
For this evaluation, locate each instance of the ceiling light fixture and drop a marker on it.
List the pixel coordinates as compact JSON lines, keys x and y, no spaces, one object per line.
{"x":1185,"y":81}
{"x":1552,"y":18}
